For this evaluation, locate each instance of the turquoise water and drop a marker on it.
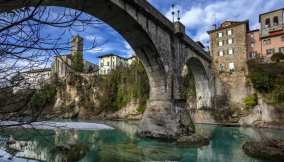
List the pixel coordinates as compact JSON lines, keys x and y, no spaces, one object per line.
{"x":121,"y":145}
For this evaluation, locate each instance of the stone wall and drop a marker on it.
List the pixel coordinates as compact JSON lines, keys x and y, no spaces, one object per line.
{"x":232,"y":84}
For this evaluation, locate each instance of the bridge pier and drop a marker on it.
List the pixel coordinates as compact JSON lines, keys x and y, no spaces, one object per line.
{"x":165,"y":120}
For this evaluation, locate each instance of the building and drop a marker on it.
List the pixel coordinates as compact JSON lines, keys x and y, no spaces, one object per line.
{"x":109,"y":62}
{"x":62,"y":64}
{"x":233,"y":44}
{"x":32,"y":79}
{"x":36,"y":78}
{"x":229,"y":52}
{"x":131,"y":59}
{"x":269,"y":39}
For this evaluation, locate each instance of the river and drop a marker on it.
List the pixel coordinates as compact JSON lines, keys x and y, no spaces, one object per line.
{"x":122,"y":145}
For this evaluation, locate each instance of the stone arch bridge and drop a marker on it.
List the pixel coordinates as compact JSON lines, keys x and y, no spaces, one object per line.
{"x":164,"y":49}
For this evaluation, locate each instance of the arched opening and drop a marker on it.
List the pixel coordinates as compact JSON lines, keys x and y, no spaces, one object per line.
{"x":196,"y":87}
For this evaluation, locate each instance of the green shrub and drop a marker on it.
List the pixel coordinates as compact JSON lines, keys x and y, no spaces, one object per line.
{"x":44,"y":96}
{"x":277,"y":57}
{"x":268,"y":80}
{"x":250,"y":101}
{"x":77,"y":63}
{"x":141,"y":108}
{"x":123,"y":85}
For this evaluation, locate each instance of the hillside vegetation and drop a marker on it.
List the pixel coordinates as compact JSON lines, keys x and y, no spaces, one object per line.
{"x":268,"y":80}
{"x":123,"y":85}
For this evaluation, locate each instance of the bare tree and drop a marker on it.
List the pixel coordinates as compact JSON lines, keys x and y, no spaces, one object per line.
{"x":26,"y":45}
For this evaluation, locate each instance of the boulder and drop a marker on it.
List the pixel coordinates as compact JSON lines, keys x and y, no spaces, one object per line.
{"x":194,"y":140}
{"x":265,"y":150}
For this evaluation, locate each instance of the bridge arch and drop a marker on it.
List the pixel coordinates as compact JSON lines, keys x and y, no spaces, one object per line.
{"x":201,"y":77}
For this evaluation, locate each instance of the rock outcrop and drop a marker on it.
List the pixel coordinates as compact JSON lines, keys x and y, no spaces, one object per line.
{"x":264,"y":115}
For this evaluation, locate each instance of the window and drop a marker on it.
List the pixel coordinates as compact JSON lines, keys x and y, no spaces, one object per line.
{"x":252,"y":55}
{"x":252,"y":45}
{"x":102,"y":64}
{"x":220,"y":43}
{"x":269,"y":51}
{"x":230,"y":41}
{"x":251,"y":35}
{"x":221,"y":53}
{"x":267,"y":23}
{"x":108,"y":63}
{"x":275,"y":20}
{"x":282,"y":38}
{"x":231,"y":51}
{"x":221,"y":67}
{"x":220,"y":35}
{"x":266,"y":41}
{"x":230,"y":32}
{"x":281,"y":50}
{"x":231,"y":67}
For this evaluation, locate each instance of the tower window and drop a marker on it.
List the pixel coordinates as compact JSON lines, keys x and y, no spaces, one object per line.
{"x":267,"y":23}
{"x":231,"y":51}
{"x":230,"y":41}
{"x":221,"y":67}
{"x":220,"y":34}
{"x":230,"y":32}
{"x":221,"y":53}
{"x":220,"y":43}
{"x":275,"y":20}
{"x":231,"y":67}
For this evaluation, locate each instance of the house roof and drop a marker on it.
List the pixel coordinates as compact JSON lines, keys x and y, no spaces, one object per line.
{"x":232,"y":24}
{"x":252,"y":31}
{"x":111,"y":54}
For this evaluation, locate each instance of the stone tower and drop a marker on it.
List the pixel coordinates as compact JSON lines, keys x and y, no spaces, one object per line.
{"x":77,"y":45}
{"x":229,"y":53}
{"x":77,"y":53}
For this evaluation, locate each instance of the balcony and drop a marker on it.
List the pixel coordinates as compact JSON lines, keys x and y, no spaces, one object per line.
{"x":273,"y":30}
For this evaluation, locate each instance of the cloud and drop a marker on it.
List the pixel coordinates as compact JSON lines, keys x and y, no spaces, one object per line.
{"x":199,"y":17}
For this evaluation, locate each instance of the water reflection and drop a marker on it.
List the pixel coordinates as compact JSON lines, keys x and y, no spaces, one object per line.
{"x":121,"y":145}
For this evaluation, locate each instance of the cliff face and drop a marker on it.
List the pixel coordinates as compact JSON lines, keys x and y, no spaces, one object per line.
{"x":76,"y":96}
{"x":120,"y":95}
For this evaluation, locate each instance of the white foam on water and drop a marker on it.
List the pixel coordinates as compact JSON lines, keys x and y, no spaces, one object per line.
{"x":60,"y":125}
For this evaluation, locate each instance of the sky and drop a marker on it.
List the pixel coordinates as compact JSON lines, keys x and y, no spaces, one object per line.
{"x":197,"y":15}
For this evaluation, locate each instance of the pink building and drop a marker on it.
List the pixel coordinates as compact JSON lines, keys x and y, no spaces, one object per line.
{"x":269,"y":39}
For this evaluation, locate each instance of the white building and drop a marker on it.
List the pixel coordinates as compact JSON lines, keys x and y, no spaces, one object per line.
{"x":32,"y":79}
{"x":111,"y":61}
